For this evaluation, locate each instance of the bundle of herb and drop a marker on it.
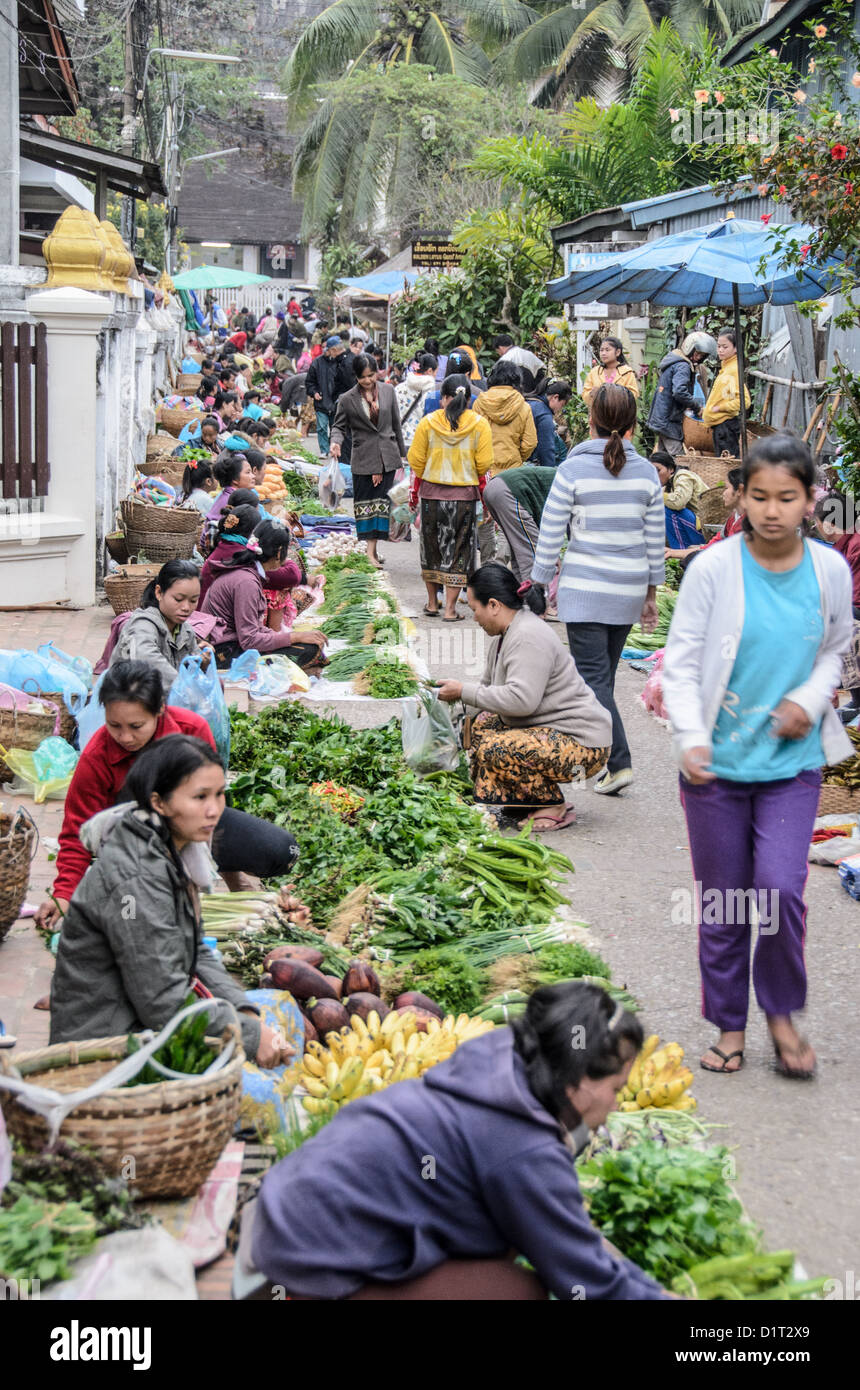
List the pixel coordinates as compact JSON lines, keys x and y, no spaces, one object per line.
{"x":386,"y":680}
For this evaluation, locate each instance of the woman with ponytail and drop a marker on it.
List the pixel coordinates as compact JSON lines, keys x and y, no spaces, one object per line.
{"x":503,"y":1120}
{"x":539,"y":725}
{"x":611,"y":500}
{"x":198,"y":486}
{"x":450,"y":457}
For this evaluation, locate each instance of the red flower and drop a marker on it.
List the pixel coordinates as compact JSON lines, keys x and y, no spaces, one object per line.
{"x":766,"y":216}
{"x":839,"y":151}
{"x":849,"y":187}
{"x":804,"y":250}
{"x":783,"y":189}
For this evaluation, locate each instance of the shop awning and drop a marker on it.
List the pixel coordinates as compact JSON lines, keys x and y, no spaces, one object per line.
{"x":137,"y":178}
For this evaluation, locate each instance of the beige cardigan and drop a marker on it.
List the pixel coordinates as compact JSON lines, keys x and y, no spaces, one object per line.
{"x":531,"y":679}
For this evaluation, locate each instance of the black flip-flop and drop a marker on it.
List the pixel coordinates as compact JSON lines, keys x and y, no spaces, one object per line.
{"x":727,"y":1057}
{"x":457,"y":618}
{"x":430,"y":612}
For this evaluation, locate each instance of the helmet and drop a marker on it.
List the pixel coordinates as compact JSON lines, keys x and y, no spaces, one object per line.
{"x":699,"y":342}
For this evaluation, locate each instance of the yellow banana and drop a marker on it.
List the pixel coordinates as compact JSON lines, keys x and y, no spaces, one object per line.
{"x":331,"y":1073}
{"x":348,"y":1078}
{"x":335,"y":1048}
{"x":687,"y":1076}
{"x":675,"y":1089}
{"x":374,"y":1023}
{"x":398,"y":1043}
{"x":433,"y":1026}
{"x":314,"y":1086}
{"x":413,"y":1043}
{"x":376,"y":1059}
{"x":315,"y":1048}
{"x":675,"y":1050}
{"x":390,"y":1024}
{"x":685,"y":1103}
{"x":448,"y":1023}
{"x":667,"y":1073}
{"x":318,"y":1107}
{"x":649,"y":1047}
{"x":410,"y":1068}
{"x":628,"y":1105}
{"x":397,"y":1070}
{"x":644,"y":1098}
{"x":358,"y":1025}
{"x":312,"y":1065}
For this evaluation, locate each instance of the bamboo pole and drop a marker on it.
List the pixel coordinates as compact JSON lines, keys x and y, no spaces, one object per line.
{"x":788,"y":401}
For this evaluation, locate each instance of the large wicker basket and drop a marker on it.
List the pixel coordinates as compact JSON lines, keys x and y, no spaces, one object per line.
{"x":117,"y":548}
{"x":174,"y":1131}
{"x":711,"y":508}
{"x":158,"y":445}
{"x":188,"y":382}
{"x":697,"y":435}
{"x":26,"y":728}
{"x":160,"y":546}
{"x":18,"y":837}
{"x":124,"y":589}
{"x":711,"y":470}
{"x":169,"y":470}
{"x":835,"y":801}
{"x":174,"y":419}
{"x":145,"y":516}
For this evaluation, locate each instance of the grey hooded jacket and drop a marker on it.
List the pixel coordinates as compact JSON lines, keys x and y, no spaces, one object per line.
{"x":130,"y":943}
{"x":146,"y":637}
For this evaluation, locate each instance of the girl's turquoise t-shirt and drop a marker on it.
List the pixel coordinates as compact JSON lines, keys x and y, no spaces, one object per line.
{"x":783,"y":629}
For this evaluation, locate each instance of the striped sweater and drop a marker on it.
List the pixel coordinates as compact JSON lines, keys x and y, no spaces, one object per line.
{"x":617,"y":536}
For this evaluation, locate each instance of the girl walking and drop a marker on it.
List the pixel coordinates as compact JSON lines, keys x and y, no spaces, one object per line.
{"x":611,"y":500}
{"x":752,"y":660}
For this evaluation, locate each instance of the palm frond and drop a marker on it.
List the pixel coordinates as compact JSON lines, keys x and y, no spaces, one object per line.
{"x":322,"y":156}
{"x":367,"y":180}
{"x":606,"y":20}
{"x":536,"y":50}
{"x":439,"y":47}
{"x":331,"y":42}
{"x":496,"y":18}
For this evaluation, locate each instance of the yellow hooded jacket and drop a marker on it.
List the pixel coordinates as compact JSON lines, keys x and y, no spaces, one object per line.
{"x":724,"y":401}
{"x":457,"y":457}
{"x":512,"y":424}
{"x":625,"y":376}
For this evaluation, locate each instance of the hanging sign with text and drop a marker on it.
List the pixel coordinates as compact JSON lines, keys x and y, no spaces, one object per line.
{"x":430,"y":253}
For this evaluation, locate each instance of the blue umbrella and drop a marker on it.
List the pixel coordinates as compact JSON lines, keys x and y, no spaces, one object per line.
{"x":729,"y":262}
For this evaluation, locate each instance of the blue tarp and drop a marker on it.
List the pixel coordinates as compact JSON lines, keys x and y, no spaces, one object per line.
{"x":388,"y":283}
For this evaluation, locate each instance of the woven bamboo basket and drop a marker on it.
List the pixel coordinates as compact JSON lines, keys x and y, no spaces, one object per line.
{"x":697,"y":435}
{"x":18,"y":837}
{"x":711,"y":470}
{"x":711,"y":508}
{"x":160,"y":546}
{"x":174,"y":1130}
{"x":174,"y":419}
{"x":25,"y":729}
{"x":145,"y":516}
{"x":160,"y":444}
{"x":117,"y":548}
{"x":188,"y":382}
{"x":124,"y":589}
{"x":835,"y":801}
{"x":68,"y":724}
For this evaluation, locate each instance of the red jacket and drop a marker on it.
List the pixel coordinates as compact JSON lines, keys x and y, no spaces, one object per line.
{"x":848,"y":544}
{"x":98,"y":779}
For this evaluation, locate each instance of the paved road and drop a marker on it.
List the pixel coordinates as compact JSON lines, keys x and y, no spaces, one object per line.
{"x":797,"y":1143}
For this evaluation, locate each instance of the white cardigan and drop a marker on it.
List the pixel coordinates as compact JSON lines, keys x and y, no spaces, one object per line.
{"x":705,"y":635}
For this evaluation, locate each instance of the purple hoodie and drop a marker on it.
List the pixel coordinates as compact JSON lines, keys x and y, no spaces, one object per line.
{"x":353,"y":1204}
{"x":236,"y":601}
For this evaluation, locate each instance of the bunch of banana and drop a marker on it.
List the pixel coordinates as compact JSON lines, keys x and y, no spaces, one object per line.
{"x":368,"y":1056}
{"x":657,"y":1079}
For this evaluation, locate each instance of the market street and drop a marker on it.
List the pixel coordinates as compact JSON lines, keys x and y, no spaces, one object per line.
{"x":796,"y":1145}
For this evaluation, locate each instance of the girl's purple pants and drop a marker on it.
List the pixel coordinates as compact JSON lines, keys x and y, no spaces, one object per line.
{"x":749,"y":843}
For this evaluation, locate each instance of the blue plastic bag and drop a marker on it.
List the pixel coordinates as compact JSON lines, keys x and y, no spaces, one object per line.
{"x":92,"y":716}
{"x":82,"y":668}
{"x":54,"y":758}
{"x":35,"y":673}
{"x":200,"y":691}
{"x":243,"y":667}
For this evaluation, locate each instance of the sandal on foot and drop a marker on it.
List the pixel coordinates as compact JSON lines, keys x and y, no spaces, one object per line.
{"x":550,"y":822}
{"x":430,"y":612}
{"x":793,"y":1073}
{"x":457,"y":618}
{"x":727,"y":1057}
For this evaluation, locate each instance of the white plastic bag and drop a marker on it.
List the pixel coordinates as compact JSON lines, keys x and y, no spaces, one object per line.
{"x":429,"y":741}
{"x":331,"y":485}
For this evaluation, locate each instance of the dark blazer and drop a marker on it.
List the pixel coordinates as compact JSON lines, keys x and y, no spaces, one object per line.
{"x":375,"y":448}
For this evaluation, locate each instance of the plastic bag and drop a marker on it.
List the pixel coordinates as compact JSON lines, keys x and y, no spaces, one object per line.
{"x":91,"y":717}
{"x":28,"y":778}
{"x":82,"y":668}
{"x":331,"y":484}
{"x":429,"y":741}
{"x":242,"y":668}
{"x":29,"y":671}
{"x":54,"y":758}
{"x":276,"y":676}
{"x":200,"y":691}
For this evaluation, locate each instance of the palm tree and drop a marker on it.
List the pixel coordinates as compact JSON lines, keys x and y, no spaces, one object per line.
{"x":565,"y":51}
{"x":450,"y":36}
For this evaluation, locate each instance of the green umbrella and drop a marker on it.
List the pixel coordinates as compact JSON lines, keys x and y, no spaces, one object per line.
{"x":216,"y":277}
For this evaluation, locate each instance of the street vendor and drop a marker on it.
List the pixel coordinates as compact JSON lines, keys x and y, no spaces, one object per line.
{"x":135,"y":717}
{"x":355,"y":1212}
{"x":158,"y":631}
{"x":120,"y":971}
{"x":540,"y":725}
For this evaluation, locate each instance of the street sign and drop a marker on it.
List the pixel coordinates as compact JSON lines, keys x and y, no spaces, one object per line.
{"x":435,"y":254}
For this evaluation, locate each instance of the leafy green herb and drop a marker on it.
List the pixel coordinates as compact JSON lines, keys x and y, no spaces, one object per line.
{"x":386,"y":680}
{"x":40,"y":1240}
{"x":444,"y":975}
